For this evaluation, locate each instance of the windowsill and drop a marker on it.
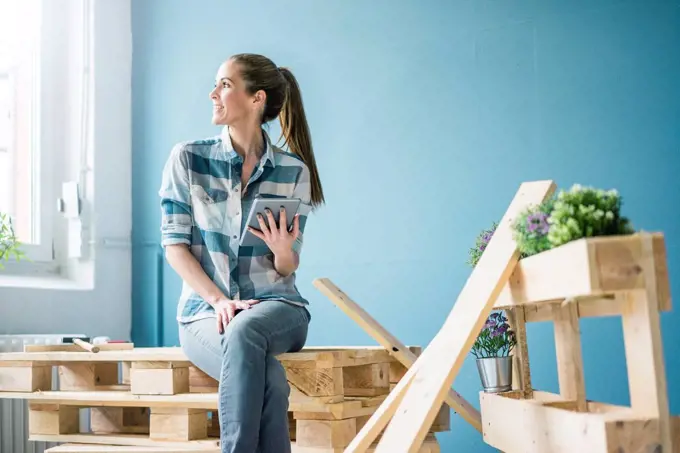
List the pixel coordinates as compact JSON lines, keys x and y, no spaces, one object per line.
{"x":44,"y":275}
{"x":41,"y":282}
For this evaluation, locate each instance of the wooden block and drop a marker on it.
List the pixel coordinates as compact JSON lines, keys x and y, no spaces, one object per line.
{"x":178,"y":424}
{"x":199,"y":382}
{"x":442,"y":421}
{"x":25,"y":377}
{"x":53,"y":419}
{"x":76,"y":376}
{"x":366,"y":380}
{"x":162,"y":378}
{"x":316,"y":381}
{"x":325,"y":433}
{"x":130,"y":420}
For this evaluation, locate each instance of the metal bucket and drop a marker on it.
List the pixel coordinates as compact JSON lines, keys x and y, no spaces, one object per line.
{"x":495,"y":373}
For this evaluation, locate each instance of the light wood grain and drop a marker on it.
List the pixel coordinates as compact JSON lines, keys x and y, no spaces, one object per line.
{"x":444,"y":356}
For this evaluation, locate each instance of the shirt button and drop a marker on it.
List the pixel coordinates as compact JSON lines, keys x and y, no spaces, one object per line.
{"x":236,"y":190}
{"x":235,"y":237}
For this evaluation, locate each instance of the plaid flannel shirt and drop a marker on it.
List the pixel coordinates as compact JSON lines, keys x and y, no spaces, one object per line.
{"x":203,"y":206}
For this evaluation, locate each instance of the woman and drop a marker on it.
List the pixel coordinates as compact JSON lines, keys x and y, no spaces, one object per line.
{"x":239,"y":306}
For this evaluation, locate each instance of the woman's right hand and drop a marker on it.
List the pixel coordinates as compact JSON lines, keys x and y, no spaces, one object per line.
{"x":226,"y":310}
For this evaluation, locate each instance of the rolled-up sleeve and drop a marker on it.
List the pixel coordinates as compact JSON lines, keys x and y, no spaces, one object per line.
{"x":303,"y":192}
{"x":176,"y":218}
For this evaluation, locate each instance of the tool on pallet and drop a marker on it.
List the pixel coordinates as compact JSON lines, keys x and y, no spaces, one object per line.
{"x":86,"y":345}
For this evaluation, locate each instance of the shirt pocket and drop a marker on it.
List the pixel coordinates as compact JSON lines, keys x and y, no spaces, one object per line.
{"x":209,"y":207}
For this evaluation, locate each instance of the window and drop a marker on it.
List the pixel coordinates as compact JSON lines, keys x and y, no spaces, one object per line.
{"x":24,"y":181}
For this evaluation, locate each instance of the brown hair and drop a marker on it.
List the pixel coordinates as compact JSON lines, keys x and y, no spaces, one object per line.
{"x":284,"y":100}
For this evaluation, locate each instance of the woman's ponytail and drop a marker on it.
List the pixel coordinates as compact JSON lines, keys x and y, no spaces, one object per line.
{"x":296,"y":133}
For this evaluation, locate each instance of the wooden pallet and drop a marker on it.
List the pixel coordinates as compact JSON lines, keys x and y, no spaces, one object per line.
{"x":624,"y":275}
{"x":155,"y":398}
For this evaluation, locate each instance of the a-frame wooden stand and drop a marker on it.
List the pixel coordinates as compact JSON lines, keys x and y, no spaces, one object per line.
{"x":624,"y":275}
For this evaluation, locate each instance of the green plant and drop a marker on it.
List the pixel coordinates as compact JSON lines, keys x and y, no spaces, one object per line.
{"x":483,"y":238}
{"x":586,"y":212}
{"x":9,"y":244}
{"x":496,"y":338}
{"x":531,"y":228}
{"x":570,"y":215}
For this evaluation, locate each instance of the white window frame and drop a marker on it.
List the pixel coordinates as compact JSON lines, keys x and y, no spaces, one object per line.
{"x":55,"y":128}
{"x":43,"y":150}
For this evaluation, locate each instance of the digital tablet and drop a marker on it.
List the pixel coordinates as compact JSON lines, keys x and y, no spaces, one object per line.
{"x":260,"y":205}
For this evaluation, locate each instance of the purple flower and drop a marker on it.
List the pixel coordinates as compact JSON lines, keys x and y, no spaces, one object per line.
{"x":538,"y":223}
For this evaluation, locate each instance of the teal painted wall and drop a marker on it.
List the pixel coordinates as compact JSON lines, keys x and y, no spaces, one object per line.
{"x":426,"y":116}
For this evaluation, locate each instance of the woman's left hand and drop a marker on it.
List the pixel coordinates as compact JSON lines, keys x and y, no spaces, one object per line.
{"x":278,"y":238}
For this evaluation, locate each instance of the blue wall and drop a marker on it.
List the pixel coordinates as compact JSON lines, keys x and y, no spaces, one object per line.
{"x":426,"y":116}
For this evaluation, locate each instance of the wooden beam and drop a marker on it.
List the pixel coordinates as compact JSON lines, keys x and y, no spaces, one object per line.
{"x":442,"y":359}
{"x":521,"y":373}
{"x":644,"y":352}
{"x":569,"y":355}
{"x":391,"y":344}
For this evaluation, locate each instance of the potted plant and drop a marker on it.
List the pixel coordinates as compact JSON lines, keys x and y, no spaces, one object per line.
{"x":492,"y":349}
{"x":9,"y":244}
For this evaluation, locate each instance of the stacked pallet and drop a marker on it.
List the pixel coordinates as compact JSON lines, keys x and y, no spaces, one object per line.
{"x":154,"y":399}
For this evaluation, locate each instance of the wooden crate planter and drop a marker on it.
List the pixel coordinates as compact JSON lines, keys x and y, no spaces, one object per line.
{"x":623,"y":276}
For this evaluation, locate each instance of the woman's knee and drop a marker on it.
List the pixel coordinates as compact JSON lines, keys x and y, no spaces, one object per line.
{"x":244,"y":333}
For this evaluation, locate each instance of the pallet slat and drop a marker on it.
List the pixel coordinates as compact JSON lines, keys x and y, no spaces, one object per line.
{"x":587,"y":267}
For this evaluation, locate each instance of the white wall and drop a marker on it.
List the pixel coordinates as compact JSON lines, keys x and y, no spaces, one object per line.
{"x":103,"y":307}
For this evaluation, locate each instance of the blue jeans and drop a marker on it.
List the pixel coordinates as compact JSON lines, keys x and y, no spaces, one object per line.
{"x":253,"y":389}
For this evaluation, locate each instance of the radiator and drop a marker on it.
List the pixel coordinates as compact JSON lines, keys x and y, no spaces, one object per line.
{"x":14,"y":412}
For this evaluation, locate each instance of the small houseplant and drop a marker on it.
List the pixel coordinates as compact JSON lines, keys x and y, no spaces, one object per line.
{"x":492,"y":349}
{"x":9,"y":243}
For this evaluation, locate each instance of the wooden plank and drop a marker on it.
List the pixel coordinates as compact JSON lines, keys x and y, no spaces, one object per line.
{"x":66,"y":347}
{"x":84,"y":448}
{"x":644,"y":352}
{"x":614,"y":264}
{"x":349,"y":407}
{"x":521,"y":375}
{"x":569,"y":355}
{"x":430,"y":445}
{"x":515,"y":425}
{"x":354,"y":355}
{"x":395,"y":347}
{"x":138,"y":440}
{"x":442,"y":359}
